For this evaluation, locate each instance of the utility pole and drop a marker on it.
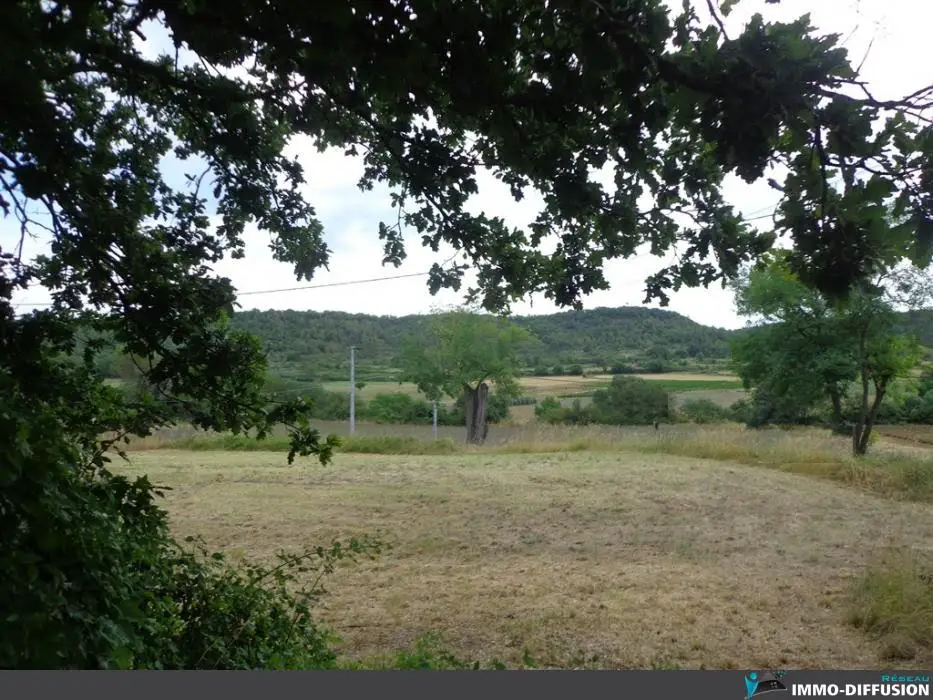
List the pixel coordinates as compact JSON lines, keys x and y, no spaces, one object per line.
{"x":352,"y":389}
{"x":434,"y":421}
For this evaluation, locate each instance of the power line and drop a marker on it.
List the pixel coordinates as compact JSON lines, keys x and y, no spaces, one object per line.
{"x":334,"y":284}
{"x":371,"y":280}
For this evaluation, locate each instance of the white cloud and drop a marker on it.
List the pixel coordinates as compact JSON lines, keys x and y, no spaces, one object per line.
{"x":896,"y":31}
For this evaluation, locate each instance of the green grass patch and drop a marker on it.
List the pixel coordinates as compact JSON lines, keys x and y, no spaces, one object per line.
{"x":893,"y":603}
{"x":397,"y":445}
{"x":370,"y":444}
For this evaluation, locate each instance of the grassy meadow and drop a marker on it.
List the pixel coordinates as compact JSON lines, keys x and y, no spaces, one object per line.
{"x":687,"y":547}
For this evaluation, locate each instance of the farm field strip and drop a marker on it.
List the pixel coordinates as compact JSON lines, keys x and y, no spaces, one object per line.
{"x":562,"y":386}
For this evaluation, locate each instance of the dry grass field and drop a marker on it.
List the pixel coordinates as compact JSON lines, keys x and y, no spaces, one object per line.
{"x":616,"y":557}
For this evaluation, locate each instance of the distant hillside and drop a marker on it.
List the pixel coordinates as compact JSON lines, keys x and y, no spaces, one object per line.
{"x":918,"y":324}
{"x":315,"y":342}
{"x":314,"y":346}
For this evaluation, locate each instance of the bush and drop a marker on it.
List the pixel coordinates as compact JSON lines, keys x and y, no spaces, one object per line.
{"x":630,"y":401}
{"x":118,"y":592}
{"x":919,"y":409}
{"x":546,"y":406}
{"x":704,"y":411}
{"x":551,"y":411}
{"x":209,"y":615}
{"x":739,"y":411}
{"x":398,"y":408}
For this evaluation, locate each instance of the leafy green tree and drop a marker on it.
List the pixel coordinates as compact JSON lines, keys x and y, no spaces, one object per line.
{"x":670,"y":104}
{"x":795,"y":359}
{"x":460,"y":354}
{"x":811,"y":348}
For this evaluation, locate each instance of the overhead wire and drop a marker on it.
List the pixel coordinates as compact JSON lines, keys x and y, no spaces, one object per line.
{"x":371,"y":280}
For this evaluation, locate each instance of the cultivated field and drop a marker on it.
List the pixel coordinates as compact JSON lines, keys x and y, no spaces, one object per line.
{"x":621,"y":556}
{"x":555,"y":386}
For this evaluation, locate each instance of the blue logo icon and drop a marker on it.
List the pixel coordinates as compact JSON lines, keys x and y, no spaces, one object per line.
{"x":751,"y":684}
{"x":760,"y":682}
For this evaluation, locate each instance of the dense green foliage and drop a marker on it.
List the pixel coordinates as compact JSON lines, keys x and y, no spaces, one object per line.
{"x":312,"y":346}
{"x":460,"y":354}
{"x":626,"y":401}
{"x":668,"y":103}
{"x":315,"y":343}
{"x":705,"y":411}
{"x":813,"y":350}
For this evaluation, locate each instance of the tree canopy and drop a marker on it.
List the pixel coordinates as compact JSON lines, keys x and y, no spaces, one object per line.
{"x":460,"y":355}
{"x":543,"y":94}
{"x":811,"y":349}
{"x":663,"y":100}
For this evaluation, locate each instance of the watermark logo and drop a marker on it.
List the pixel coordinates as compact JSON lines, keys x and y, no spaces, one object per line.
{"x":760,"y":682}
{"x":899,"y":686}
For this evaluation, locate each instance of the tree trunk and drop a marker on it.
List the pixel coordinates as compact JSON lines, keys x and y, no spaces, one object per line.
{"x":860,"y":422}
{"x":475,"y":405}
{"x":861,"y":446}
{"x":858,"y":444}
{"x":836,"y":398}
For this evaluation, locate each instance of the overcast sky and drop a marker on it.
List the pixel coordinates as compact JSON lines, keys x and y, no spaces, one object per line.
{"x":899,"y":61}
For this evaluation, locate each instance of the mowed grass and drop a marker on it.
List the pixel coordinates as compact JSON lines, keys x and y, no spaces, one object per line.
{"x":893,"y":469}
{"x":579,"y":558}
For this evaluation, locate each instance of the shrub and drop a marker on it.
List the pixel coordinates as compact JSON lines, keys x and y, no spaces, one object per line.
{"x":630,"y":401}
{"x":704,"y":411}
{"x":118,"y":592}
{"x":739,"y":411}
{"x":919,"y":409}
{"x":548,"y":409}
{"x":398,"y":408}
{"x":209,"y":615}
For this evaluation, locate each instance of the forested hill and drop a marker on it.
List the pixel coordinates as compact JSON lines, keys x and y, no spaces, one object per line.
{"x":600,"y":336}
{"x":918,"y":324}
